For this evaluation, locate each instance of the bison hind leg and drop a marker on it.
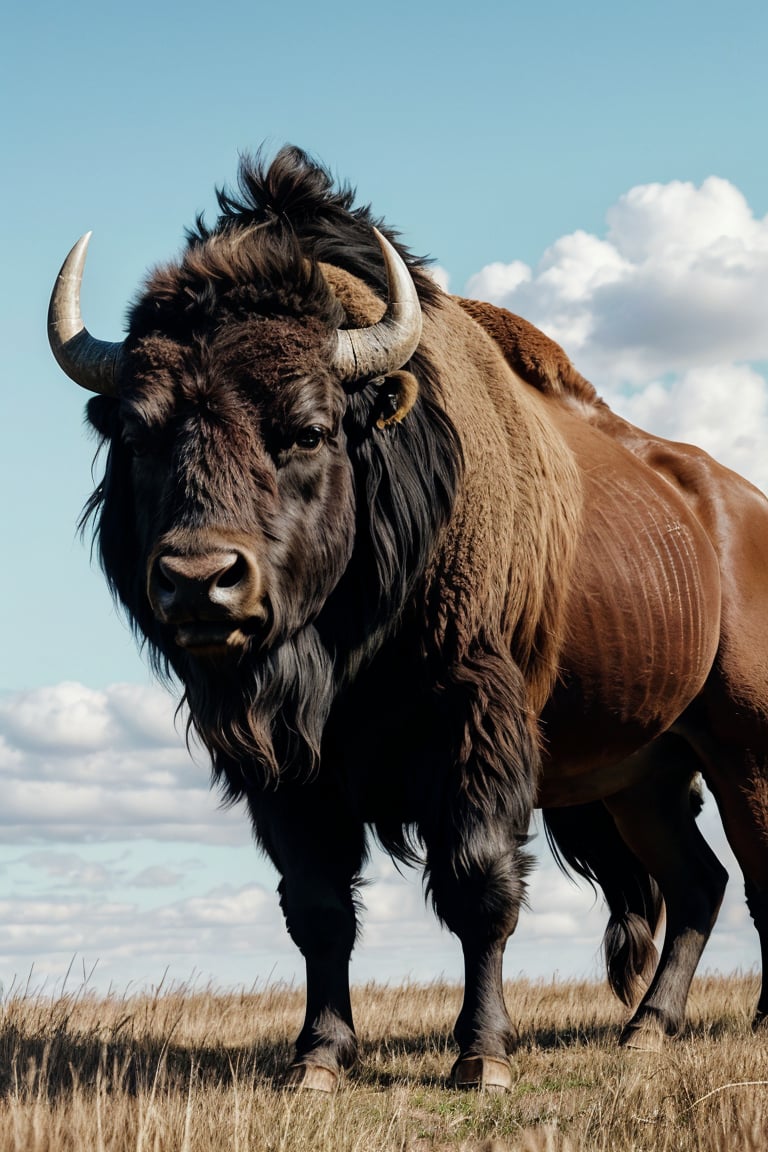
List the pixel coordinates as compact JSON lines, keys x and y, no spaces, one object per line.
{"x":657,"y":819}
{"x":739,"y":781}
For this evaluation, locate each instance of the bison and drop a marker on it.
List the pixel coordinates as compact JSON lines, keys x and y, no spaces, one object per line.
{"x":416,"y":578}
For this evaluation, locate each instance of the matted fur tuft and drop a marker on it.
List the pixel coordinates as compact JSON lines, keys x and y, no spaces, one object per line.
{"x":532,"y":354}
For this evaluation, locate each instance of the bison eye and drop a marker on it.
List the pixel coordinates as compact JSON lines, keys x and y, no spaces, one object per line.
{"x":310,"y":438}
{"x":133,"y":443}
{"x":136,"y":444}
{"x":141,"y":440}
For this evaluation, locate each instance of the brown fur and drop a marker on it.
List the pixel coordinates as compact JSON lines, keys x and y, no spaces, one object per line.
{"x":512,"y":537}
{"x":511,"y":541}
{"x":361,"y":305}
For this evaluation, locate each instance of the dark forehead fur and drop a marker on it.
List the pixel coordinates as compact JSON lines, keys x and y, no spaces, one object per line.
{"x":261,"y":257}
{"x":269,"y":353}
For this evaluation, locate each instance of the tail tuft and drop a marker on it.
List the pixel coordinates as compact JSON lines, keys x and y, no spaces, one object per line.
{"x":585,"y":840}
{"x":630,"y":956}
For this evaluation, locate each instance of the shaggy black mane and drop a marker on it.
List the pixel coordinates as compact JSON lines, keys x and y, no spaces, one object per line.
{"x":295,"y":194}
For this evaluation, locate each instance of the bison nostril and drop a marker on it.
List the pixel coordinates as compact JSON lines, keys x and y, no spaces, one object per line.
{"x":206,"y":585}
{"x":233,"y":575}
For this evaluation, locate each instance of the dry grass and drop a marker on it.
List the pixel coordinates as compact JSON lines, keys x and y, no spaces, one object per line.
{"x":191,"y":1071}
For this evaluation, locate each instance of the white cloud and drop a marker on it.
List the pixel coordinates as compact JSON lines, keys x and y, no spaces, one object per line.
{"x":49,"y":932}
{"x":79,"y":764}
{"x":679,"y":282}
{"x":156,"y":877}
{"x":439,"y":275}
{"x":66,"y":716}
{"x":667,"y":315}
{"x":498,"y":280}
{"x":146,"y":715}
{"x":670,"y":220}
{"x":70,"y":870}
{"x":69,"y":716}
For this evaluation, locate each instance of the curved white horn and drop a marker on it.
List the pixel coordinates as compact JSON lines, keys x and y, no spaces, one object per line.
{"x":384,"y":347}
{"x":89,"y":362}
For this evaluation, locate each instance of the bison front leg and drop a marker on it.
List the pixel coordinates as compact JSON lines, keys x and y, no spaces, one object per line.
{"x":475,"y":856}
{"x":480,"y":904}
{"x":320,"y":917}
{"x":319,"y":855}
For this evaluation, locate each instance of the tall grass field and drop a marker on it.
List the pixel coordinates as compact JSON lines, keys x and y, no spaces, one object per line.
{"x":189,"y":1069}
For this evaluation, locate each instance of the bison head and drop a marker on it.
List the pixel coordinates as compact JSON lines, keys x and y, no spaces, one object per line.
{"x":245,"y":503}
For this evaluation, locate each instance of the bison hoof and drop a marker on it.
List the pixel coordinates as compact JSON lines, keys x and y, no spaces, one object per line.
{"x":314,"y":1077}
{"x":482,"y":1072}
{"x":643,"y":1036}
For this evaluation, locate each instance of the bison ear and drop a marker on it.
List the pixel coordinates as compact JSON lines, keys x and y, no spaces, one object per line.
{"x":101,"y":414}
{"x":397,"y":395}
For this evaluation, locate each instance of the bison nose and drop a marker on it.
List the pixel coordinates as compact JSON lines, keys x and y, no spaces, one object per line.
{"x":210,"y":585}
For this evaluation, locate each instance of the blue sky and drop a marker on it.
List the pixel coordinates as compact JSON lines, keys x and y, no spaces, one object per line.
{"x":601,"y":169}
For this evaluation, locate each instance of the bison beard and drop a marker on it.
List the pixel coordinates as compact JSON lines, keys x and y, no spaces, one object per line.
{"x":263,"y":720}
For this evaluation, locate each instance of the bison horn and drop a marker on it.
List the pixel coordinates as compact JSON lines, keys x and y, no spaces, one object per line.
{"x":384,"y":347}
{"x":89,"y":362}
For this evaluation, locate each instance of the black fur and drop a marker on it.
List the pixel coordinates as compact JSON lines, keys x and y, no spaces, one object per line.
{"x":298,"y":193}
{"x":272,"y":711}
{"x":585,"y":839}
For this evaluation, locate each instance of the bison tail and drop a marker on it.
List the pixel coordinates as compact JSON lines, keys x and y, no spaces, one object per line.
{"x":585,"y":840}
{"x":630,"y":955}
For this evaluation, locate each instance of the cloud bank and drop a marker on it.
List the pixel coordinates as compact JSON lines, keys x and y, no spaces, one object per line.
{"x":79,"y":764}
{"x":114,"y":852}
{"x":680,"y":281}
{"x":667,"y":314}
